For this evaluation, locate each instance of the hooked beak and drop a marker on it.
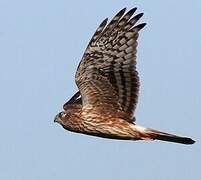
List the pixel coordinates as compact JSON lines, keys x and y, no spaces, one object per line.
{"x":57,"y":119}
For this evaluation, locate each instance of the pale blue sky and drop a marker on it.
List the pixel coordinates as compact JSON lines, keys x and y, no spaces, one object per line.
{"x":41,"y":43}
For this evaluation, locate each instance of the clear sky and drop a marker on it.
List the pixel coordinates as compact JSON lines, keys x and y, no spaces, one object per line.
{"x":41,"y":44}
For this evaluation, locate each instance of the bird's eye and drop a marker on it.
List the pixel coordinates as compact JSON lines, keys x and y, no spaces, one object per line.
{"x":62,"y":114}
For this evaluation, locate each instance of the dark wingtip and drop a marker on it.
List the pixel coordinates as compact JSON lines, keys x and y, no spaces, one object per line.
{"x":104,"y":22}
{"x":131,"y":12}
{"x":138,"y":16}
{"x":121,"y":12}
{"x":140,"y":26}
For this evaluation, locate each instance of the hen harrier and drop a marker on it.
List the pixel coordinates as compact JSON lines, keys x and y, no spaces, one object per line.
{"x":109,"y":85}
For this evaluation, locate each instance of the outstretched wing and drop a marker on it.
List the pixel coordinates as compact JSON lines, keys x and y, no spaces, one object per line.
{"x":107,"y":72}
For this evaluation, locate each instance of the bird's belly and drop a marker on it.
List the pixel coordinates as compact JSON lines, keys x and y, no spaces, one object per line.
{"x":114,"y":128}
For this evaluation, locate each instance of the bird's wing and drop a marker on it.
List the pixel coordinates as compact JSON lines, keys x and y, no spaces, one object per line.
{"x":74,"y":100}
{"x":97,"y":92}
{"x":110,"y":62}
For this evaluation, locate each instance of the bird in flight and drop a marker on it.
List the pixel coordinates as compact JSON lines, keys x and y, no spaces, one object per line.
{"x":108,"y":85}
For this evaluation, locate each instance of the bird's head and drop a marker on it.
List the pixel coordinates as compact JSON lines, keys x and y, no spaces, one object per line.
{"x":68,"y":117}
{"x":61,"y":118}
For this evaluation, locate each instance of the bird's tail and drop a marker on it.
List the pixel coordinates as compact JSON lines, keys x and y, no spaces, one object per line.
{"x":152,"y":134}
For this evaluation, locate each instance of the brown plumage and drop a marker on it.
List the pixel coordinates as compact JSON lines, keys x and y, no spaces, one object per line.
{"x":109,"y":85}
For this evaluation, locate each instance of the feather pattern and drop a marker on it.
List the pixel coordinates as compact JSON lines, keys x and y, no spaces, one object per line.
{"x":112,"y":53}
{"x":109,"y":86}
